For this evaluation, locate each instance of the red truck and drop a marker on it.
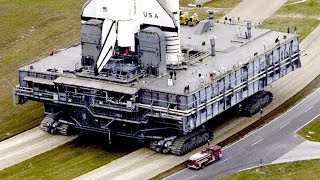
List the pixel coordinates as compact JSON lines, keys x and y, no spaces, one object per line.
{"x":201,"y":159}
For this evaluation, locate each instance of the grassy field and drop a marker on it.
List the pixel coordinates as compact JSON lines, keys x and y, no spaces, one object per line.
{"x":30,"y":30}
{"x":222,"y":3}
{"x":304,"y":16}
{"x":68,"y":161}
{"x":308,"y":8}
{"x":304,"y":25}
{"x":311,"y":131}
{"x":284,"y":171}
{"x":220,"y":7}
{"x":213,"y":3}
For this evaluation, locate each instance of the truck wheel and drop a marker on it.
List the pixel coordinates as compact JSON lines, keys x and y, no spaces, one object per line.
{"x":202,"y":166}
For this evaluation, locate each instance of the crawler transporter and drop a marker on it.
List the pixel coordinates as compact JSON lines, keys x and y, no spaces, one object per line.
{"x":138,"y":74}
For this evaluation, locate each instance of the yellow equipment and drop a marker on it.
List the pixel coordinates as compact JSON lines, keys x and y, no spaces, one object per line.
{"x":184,"y":18}
{"x":193,"y":20}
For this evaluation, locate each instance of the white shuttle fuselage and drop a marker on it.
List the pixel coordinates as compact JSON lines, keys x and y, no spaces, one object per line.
{"x":122,"y":19}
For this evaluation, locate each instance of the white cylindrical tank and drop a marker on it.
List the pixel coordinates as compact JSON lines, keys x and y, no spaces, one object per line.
{"x":173,"y":47}
{"x":126,"y":31}
{"x":122,"y":11}
{"x":173,"y":38}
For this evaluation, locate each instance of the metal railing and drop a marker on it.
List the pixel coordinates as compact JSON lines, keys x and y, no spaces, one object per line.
{"x":193,"y":58}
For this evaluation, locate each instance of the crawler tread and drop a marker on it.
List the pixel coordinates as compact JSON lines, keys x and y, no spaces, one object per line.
{"x":189,"y":142}
{"x":256,"y":102}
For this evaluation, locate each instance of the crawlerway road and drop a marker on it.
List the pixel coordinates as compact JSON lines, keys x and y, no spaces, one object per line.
{"x":27,"y":145}
{"x":264,"y":145}
{"x":255,"y":11}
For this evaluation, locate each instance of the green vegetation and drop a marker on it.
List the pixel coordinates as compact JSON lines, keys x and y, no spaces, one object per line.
{"x":68,"y":161}
{"x":213,"y":3}
{"x":295,"y":170}
{"x":222,"y":3}
{"x":308,"y":8}
{"x":186,"y":2}
{"x":30,"y":30}
{"x":203,"y":14}
{"x":311,"y":131}
{"x":220,"y":7}
{"x":304,"y":16}
{"x":292,"y":1}
{"x":304,"y":25}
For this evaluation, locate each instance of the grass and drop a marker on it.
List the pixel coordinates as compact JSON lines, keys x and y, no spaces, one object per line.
{"x":213,"y":3}
{"x":220,"y":7}
{"x":30,"y":30}
{"x":67,"y":161}
{"x":186,"y":2}
{"x":304,"y":25}
{"x":295,"y":170}
{"x":311,"y":131}
{"x":310,"y":7}
{"x":304,"y":16}
{"x":222,"y":3}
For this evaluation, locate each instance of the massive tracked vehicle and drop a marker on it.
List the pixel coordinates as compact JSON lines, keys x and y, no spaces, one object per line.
{"x":138,"y":74}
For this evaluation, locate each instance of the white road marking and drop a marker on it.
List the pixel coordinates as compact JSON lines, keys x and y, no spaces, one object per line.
{"x":191,"y":177}
{"x":225,"y":160}
{"x":276,"y":119}
{"x":307,"y":123}
{"x":308,"y":109}
{"x":302,"y":1}
{"x":285,"y":125}
{"x":256,"y":142}
{"x":175,"y":174}
{"x":255,"y":131}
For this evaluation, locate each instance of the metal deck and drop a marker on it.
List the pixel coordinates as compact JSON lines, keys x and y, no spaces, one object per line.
{"x":231,"y":51}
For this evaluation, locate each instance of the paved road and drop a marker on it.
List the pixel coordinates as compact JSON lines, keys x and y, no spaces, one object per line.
{"x":267,"y":144}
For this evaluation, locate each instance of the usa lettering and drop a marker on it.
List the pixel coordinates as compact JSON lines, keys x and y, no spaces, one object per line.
{"x":150,"y":15}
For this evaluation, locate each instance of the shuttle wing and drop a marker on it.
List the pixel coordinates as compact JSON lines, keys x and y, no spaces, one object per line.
{"x":94,"y":9}
{"x":109,"y":37}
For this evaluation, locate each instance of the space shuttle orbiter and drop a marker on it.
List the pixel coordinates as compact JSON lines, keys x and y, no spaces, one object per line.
{"x":122,"y":19}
